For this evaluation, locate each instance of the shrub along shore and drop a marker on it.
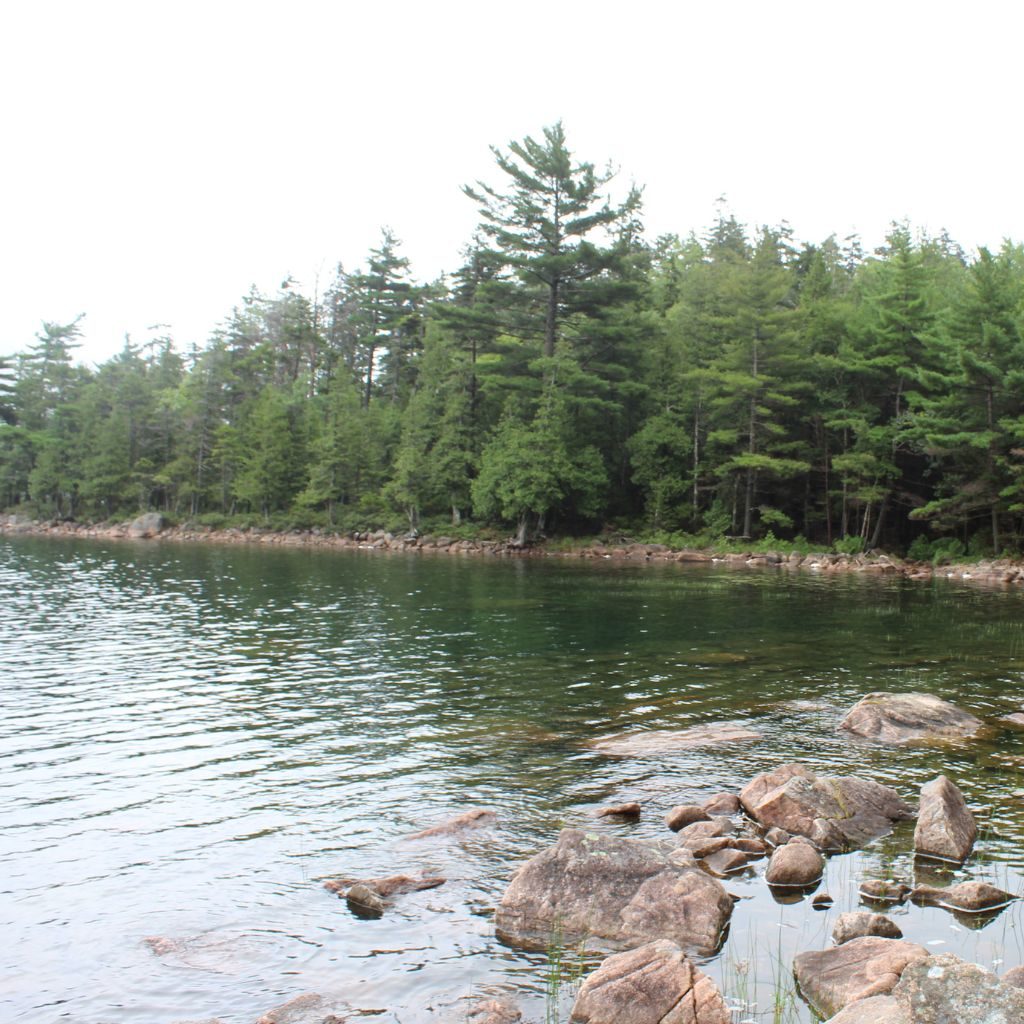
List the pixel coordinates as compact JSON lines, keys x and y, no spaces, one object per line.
{"x":992,"y":572}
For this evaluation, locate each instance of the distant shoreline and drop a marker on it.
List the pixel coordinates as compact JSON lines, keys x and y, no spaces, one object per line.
{"x":991,"y":572}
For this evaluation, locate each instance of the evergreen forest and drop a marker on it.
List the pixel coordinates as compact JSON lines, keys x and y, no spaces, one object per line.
{"x":571,"y":376}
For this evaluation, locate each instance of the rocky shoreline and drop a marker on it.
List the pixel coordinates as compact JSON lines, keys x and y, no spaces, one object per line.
{"x":652,"y":909}
{"x":986,"y":572}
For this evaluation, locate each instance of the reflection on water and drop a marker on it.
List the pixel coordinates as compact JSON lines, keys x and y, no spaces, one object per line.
{"x":192,"y":738}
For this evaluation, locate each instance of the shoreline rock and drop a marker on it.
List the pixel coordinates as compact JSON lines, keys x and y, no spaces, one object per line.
{"x":652,"y":984}
{"x":986,"y":572}
{"x":945,"y":829}
{"x":837,"y":813}
{"x":618,"y":890}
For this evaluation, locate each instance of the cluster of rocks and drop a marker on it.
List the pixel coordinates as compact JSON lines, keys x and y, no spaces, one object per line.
{"x":990,"y":571}
{"x":651,"y":905}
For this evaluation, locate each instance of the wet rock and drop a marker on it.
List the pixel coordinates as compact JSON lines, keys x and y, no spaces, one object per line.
{"x":619,"y":890}
{"x":654,"y":984}
{"x":968,"y":897}
{"x":859,"y":923}
{"x":837,"y":813}
{"x":1014,"y":977}
{"x":392,"y":885}
{"x":492,"y":1011}
{"x":869,"y":966}
{"x":685,"y":814}
{"x":753,"y":848}
{"x":944,"y":989}
{"x":777,"y":836}
{"x":309,"y":1008}
{"x":908,"y":718}
{"x":364,"y":901}
{"x":726,"y":803}
{"x":945,"y":827}
{"x":707,"y":829}
{"x":873,"y":1010}
{"x":879,"y":891}
{"x":473,"y":818}
{"x":631,"y":810}
{"x":1016,"y":719}
{"x":822,"y":901}
{"x":705,"y":846}
{"x":148,"y":525}
{"x":655,"y":743}
{"x":795,"y":865}
{"x":726,"y":861}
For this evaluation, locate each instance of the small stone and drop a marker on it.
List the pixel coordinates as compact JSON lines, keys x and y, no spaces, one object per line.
{"x":364,"y":901}
{"x":685,"y":814}
{"x":777,"y":836}
{"x":884,"y":892}
{"x":858,"y":923}
{"x":822,"y":901}
{"x":795,"y":865}
{"x":725,"y":862}
{"x":712,"y":828}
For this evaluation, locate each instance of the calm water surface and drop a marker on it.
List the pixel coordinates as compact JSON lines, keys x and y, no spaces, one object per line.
{"x":193,"y":738}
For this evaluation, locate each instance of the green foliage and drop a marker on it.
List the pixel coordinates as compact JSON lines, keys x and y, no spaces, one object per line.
{"x":849,"y":545}
{"x":728,"y":390}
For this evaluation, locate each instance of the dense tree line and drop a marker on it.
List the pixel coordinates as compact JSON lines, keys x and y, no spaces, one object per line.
{"x":570,"y":374}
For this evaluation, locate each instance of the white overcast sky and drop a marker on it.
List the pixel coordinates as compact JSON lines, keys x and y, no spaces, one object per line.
{"x":159,"y":158}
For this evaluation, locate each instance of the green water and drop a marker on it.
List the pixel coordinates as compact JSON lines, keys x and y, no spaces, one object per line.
{"x":193,"y":737}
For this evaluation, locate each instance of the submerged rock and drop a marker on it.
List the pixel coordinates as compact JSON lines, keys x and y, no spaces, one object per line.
{"x":837,"y":813}
{"x":908,"y":717}
{"x":795,"y":865}
{"x":945,"y":827}
{"x":858,"y":923}
{"x":968,"y":897}
{"x":618,"y":890}
{"x":492,"y":1011}
{"x":473,"y":818}
{"x":869,"y":966}
{"x":309,"y":1008}
{"x":392,"y":885}
{"x":879,"y":891}
{"x":946,"y":990}
{"x":630,"y":810}
{"x":654,"y":984}
{"x":655,"y":743}
{"x":1014,"y":977}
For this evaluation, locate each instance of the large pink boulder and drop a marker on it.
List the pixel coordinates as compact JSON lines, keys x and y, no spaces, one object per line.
{"x":654,"y":984}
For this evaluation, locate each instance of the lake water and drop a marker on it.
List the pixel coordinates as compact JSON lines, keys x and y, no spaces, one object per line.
{"x":192,"y":738}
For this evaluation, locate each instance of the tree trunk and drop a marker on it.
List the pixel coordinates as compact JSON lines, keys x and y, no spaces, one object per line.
{"x":551,"y":318}
{"x":879,"y":522}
